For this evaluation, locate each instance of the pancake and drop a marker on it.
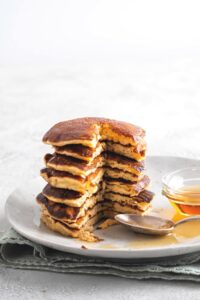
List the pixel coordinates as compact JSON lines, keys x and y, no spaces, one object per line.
{"x":78,"y":131}
{"x":137,"y":152}
{"x":88,"y":131}
{"x":142,"y":200}
{"x":66,"y":196}
{"x":117,"y":173}
{"x":125,"y":187}
{"x":82,"y":221}
{"x":72,"y":165}
{"x":144,"y":196}
{"x":111,"y":213}
{"x":84,"y":235}
{"x":126,"y":209}
{"x":65,"y":180}
{"x":117,"y":161}
{"x":66,"y":213}
{"x":81,"y":152}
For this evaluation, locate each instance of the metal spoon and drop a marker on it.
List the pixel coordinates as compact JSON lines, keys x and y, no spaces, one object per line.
{"x":150,"y":224}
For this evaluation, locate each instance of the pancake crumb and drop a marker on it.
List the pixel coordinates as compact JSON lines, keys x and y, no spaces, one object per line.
{"x":83,"y":247}
{"x":88,"y":237}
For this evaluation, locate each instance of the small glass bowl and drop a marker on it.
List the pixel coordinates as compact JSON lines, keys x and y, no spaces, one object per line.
{"x":182,"y":188}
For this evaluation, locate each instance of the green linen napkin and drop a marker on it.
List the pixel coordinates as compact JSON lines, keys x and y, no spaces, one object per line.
{"x":20,"y":253}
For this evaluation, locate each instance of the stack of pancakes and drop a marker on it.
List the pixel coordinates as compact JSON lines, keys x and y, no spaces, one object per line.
{"x":95,"y":173}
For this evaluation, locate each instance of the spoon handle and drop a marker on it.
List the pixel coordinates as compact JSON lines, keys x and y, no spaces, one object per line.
{"x":197,"y":217}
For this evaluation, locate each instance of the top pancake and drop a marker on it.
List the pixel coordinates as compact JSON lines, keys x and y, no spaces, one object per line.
{"x":88,"y":131}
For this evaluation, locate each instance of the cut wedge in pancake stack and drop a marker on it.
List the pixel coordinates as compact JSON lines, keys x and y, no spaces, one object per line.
{"x":95,"y":172}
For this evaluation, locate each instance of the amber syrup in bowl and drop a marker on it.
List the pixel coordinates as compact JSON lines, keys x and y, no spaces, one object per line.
{"x":182,"y":189}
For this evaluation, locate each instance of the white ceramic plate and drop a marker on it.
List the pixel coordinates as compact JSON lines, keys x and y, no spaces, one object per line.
{"x":22,"y":212}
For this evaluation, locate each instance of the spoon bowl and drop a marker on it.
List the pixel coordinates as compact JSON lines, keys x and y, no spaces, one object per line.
{"x":146,"y":224}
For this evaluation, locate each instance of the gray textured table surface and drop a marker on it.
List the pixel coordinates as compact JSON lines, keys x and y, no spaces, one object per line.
{"x":164,"y":100}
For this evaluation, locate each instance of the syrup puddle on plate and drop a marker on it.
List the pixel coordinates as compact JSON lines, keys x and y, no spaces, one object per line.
{"x":184,"y":232}
{"x":152,"y":242}
{"x":109,"y":246}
